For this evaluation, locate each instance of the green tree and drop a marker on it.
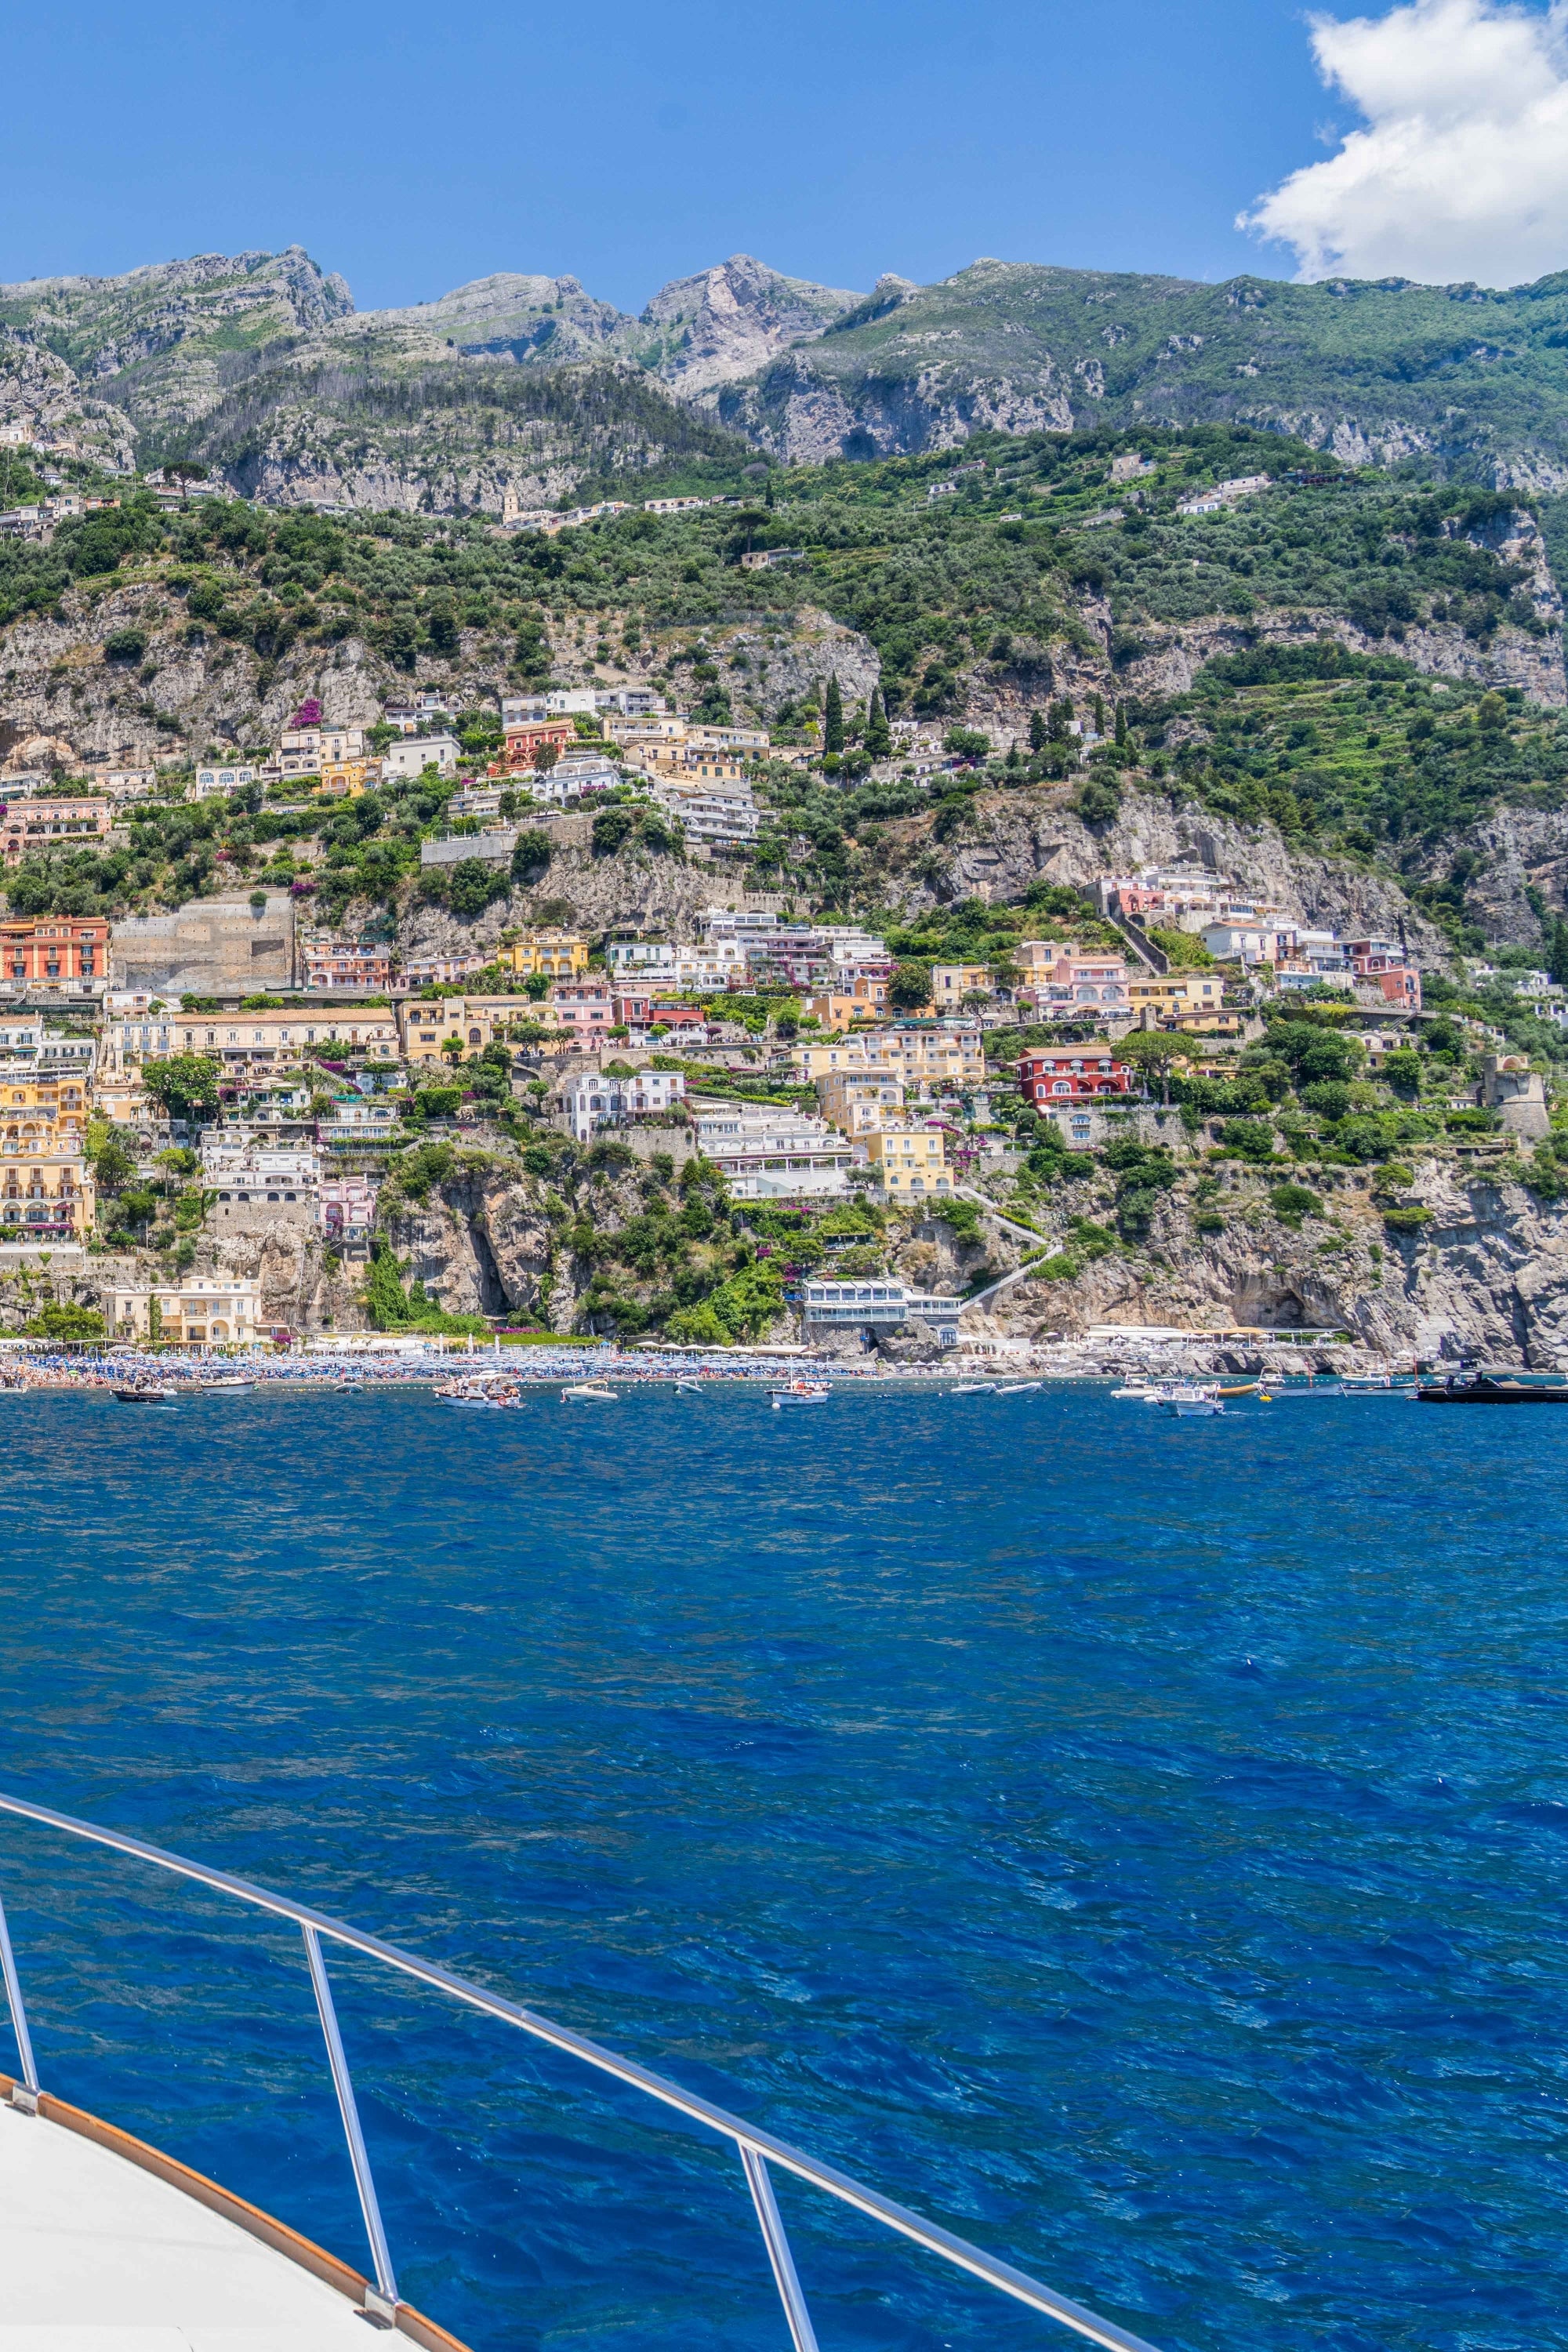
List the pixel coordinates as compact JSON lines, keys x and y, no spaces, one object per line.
{"x":113,"y":1161}
{"x":1121,"y":723}
{"x":1038,"y":730}
{"x":879,"y":736}
{"x":612,"y":829}
{"x":471,"y":885}
{"x":59,"y":1319}
{"x":909,"y":987}
{"x":530,"y":856}
{"x":185,"y":1086}
{"x":1097,"y":800}
{"x":1152,"y":1051}
{"x":833,"y":716}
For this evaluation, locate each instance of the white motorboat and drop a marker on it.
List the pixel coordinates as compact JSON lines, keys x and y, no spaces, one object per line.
{"x":1017,"y":1388}
{"x":1189,"y":1400}
{"x":975,"y":1387}
{"x":236,"y":1381}
{"x":589,"y":1392}
{"x":107,"y":2241}
{"x":800,"y":1392}
{"x":688,"y":1388}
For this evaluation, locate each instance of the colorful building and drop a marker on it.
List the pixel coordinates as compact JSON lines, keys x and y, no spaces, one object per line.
{"x":557,"y":955}
{"x":54,"y":951}
{"x":1072,"y":1074}
{"x":908,"y":1162}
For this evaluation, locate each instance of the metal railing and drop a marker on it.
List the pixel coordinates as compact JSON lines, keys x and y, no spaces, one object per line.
{"x":757,"y":2149}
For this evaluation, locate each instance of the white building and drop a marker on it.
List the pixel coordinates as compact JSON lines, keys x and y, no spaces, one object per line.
{"x":878,"y":1305}
{"x":415,"y":753}
{"x":704,"y":969}
{"x":772,"y":1154}
{"x":711,"y":814}
{"x":259,"y":1182}
{"x":593,"y":1099}
{"x":199,"y":1310}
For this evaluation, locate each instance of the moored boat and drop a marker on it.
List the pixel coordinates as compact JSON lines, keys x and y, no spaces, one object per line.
{"x":589,"y":1392}
{"x":1486,"y":1388}
{"x":800,"y":1392}
{"x":146,"y":1393}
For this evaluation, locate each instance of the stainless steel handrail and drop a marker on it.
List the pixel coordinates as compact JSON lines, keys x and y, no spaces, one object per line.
{"x":757,"y":2149}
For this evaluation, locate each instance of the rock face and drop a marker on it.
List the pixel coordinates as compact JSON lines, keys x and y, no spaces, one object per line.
{"x":703,"y":332}
{"x":1016,"y":838}
{"x":1487,"y":1278}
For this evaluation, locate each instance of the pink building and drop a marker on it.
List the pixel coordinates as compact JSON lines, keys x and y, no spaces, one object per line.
{"x":586,"y":1006}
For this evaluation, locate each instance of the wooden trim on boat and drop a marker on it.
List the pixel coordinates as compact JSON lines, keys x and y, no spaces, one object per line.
{"x":271,"y":2233}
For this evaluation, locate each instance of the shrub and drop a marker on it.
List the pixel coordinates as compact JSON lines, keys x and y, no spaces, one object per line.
{"x":1330,"y":1098}
{"x":1247,"y":1138}
{"x":1291,"y":1202}
{"x":1097,"y":800}
{"x":125,"y":644}
{"x":1407,"y":1221}
{"x":1059,"y":1268}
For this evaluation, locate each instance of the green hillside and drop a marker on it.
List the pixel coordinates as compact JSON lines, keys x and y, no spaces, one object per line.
{"x":1039,"y":584}
{"x":1470,"y":378}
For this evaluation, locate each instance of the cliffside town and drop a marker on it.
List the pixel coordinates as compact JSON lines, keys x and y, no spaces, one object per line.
{"x":1092,"y":888}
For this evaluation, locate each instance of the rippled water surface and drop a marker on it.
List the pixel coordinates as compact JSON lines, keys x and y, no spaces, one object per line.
{"x":1138,"y":1843}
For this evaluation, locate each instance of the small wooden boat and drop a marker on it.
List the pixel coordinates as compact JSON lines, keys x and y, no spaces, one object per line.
{"x":146,"y":1393}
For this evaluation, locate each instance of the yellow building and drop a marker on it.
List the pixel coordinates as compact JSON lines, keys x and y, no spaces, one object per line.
{"x":1192,"y":1001}
{"x":559,"y":955}
{"x":952,"y":982}
{"x":859,"y":1102}
{"x":45,"y":1184}
{"x":922,"y":1054}
{"x":474,"y":1022}
{"x":219,"y":1311}
{"x":349,"y":778}
{"x":908,"y":1162}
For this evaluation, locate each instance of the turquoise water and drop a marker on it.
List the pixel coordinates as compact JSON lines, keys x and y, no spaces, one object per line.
{"x":1136,"y":1843}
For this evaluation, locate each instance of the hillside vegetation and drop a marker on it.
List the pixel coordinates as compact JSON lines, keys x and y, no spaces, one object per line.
{"x":1037,"y":591}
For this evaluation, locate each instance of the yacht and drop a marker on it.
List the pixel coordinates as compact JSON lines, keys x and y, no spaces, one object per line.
{"x":106,"y":2242}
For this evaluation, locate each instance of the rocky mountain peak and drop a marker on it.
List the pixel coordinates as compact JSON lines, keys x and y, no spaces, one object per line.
{"x":726,"y":321}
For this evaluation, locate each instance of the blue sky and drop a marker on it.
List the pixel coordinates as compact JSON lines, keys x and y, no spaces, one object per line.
{"x":413,"y":148}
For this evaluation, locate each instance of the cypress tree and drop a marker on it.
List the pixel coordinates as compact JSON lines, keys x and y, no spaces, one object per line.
{"x":1038,"y":736}
{"x":833,"y":717}
{"x":1121,"y":722}
{"x":878,"y":737}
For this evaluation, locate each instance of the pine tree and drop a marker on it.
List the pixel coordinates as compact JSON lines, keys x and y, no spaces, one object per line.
{"x":879,"y":738}
{"x":833,"y":718}
{"x":1037,"y":732}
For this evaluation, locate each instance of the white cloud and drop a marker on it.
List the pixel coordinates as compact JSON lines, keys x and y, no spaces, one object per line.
{"x":1462,"y":169}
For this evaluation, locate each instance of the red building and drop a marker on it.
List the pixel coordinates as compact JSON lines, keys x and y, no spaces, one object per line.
{"x":49,"y":948}
{"x":1380,"y":960}
{"x":524,"y":739}
{"x":1072,"y":1074}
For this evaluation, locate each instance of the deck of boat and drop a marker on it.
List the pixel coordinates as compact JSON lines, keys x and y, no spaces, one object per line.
{"x":99,"y":2253}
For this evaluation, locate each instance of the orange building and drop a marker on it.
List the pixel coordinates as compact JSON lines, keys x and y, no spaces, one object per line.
{"x":53,"y":947}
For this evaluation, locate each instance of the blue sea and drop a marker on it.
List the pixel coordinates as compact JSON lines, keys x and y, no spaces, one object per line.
{"x":1136,"y":1843}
